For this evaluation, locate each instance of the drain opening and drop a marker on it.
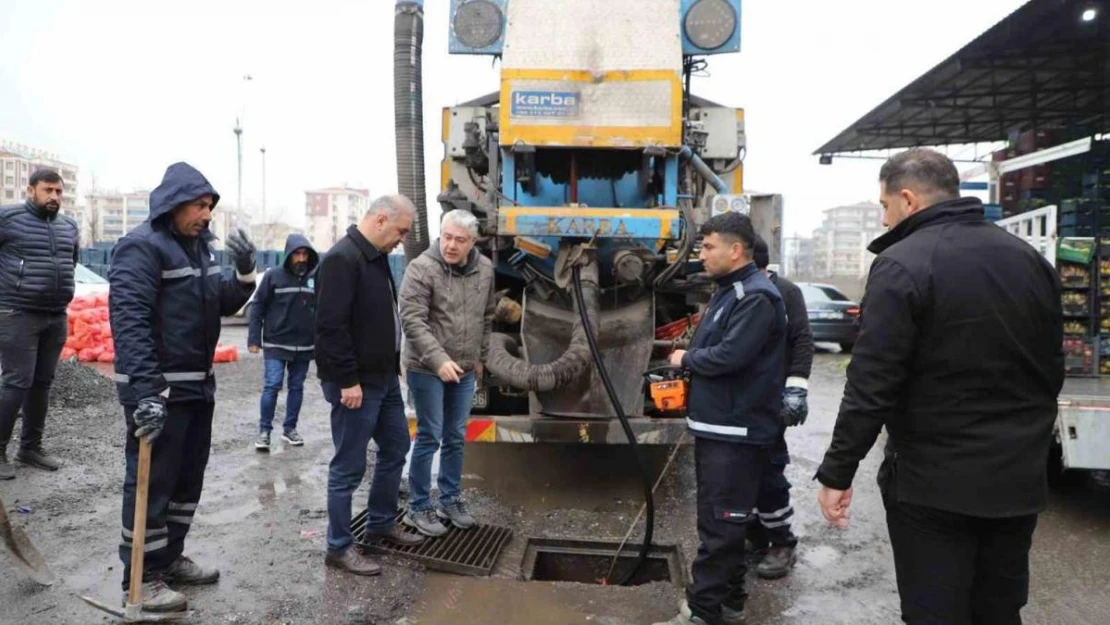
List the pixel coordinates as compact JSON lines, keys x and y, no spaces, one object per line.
{"x":589,"y":561}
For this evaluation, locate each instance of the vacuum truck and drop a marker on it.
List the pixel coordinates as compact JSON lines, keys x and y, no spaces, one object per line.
{"x":590,"y":172}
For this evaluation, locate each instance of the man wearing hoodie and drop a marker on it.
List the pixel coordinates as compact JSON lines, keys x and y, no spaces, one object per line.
{"x":281,"y":326}
{"x":447,"y":306}
{"x":167,"y":297}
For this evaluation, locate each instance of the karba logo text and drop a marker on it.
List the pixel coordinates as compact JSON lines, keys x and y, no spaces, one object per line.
{"x":545,"y":103}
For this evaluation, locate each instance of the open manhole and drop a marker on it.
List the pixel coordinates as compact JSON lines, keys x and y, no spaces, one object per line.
{"x":588,"y":562}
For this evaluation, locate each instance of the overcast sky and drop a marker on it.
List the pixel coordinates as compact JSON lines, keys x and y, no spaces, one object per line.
{"x":122,"y":88}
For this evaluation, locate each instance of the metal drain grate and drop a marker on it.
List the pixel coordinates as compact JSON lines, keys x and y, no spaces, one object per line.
{"x":465,"y":552}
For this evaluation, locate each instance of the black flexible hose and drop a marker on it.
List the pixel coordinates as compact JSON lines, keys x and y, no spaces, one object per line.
{"x":649,"y":497}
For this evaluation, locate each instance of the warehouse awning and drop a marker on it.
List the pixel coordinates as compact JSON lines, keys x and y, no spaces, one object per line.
{"x":1046,"y":65}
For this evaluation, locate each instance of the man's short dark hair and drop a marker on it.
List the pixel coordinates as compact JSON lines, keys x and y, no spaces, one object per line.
{"x":760,"y":253}
{"x":731,"y":225}
{"x":44,"y":175}
{"x":927,"y":171}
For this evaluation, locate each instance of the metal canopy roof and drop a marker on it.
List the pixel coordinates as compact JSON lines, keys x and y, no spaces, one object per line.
{"x":1043,"y":66}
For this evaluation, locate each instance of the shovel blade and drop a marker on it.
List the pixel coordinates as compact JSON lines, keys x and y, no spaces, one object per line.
{"x":26,"y":557}
{"x":135,"y":614}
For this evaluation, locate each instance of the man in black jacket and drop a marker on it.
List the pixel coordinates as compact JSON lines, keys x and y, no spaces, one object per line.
{"x":281,"y":326}
{"x":959,"y":357}
{"x":38,"y":250}
{"x":167,"y":298}
{"x":771,"y":536}
{"x":735,"y":362}
{"x":358,"y":342}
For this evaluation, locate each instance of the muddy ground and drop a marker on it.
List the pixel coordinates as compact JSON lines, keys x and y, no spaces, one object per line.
{"x":262,"y":520}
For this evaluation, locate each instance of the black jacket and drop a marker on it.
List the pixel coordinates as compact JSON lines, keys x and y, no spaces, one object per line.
{"x":37,"y":253}
{"x":357,"y":328}
{"x":166,"y":298}
{"x":284,"y":307}
{"x":736,"y":361}
{"x":799,"y":338}
{"x":959,"y":356}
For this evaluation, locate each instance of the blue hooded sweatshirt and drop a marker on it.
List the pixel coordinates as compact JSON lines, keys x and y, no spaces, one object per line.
{"x":284,"y":308}
{"x":166,"y":298}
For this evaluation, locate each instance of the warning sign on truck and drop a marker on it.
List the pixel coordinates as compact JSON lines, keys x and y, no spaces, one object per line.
{"x":545,"y":103}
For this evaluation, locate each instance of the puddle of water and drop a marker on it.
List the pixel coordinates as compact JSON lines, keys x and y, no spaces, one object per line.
{"x":467,"y":601}
{"x":540,"y":477}
{"x":819,"y":556}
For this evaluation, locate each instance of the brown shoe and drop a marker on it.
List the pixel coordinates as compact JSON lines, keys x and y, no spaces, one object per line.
{"x":352,"y":561}
{"x":396,"y":536}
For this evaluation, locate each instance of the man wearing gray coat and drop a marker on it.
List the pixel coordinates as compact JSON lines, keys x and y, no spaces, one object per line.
{"x":446,"y":306}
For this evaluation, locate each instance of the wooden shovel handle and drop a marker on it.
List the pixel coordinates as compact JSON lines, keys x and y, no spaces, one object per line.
{"x":3,"y":513}
{"x":138,"y":542}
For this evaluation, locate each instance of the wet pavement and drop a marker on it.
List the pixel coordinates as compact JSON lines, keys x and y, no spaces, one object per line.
{"x":262,"y":521}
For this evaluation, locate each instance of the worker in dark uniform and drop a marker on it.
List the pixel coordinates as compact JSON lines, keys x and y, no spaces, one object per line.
{"x":167,"y":297}
{"x":771,"y":536}
{"x":959,"y":356}
{"x":735,"y":360}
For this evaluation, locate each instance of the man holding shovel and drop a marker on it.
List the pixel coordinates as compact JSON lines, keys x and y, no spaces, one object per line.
{"x":167,"y":296}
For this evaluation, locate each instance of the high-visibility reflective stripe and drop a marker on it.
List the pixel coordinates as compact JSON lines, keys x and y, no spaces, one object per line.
{"x":775,"y":524}
{"x":180,"y":520}
{"x":186,"y":376}
{"x":185,"y":507}
{"x":292,"y":348}
{"x":776,"y":513}
{"x":150,"y":532}
{"x":183,"y":272}
{"x":153,"y":545}
{"x":709,"y":428}
{"x":294,"y":289}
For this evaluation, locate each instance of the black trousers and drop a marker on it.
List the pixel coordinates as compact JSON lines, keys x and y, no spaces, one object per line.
{"x":955,"y":569}
{"x":177,"y":462}
{"x":30,"y":344}
{"x":775,"y":513}
{"x":728,"y":476}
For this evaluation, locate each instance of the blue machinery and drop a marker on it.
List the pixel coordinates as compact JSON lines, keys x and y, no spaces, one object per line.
{"x":593,"y":155}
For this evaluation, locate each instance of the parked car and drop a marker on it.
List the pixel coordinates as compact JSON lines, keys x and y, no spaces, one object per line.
{"x":87,"y":282}
{"x":833,"y":317}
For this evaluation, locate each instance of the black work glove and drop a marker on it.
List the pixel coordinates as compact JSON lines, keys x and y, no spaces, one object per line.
{"x":795,"y":404}
{"x":242,"y":250}
{"x":149,"y":417}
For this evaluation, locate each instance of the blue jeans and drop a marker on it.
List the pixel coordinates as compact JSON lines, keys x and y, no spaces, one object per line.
{"x":381,"y":417}
{"x":275,"y":375}
{"x":441,"y":412}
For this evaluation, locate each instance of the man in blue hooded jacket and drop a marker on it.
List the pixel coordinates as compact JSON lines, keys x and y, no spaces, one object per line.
{"x":167,"y":296}
{"x":282,"y":328}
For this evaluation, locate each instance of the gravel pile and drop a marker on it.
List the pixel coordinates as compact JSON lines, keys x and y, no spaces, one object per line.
{"x":76,"y":385}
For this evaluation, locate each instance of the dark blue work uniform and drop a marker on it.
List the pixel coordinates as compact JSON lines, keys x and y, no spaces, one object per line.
{"x":736,"y":361}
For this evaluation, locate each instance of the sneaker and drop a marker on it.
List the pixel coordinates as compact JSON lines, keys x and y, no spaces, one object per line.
{"x":777,"y":563}
{"x":36,"y":457}
{"x":158,"y":597}
{"x":7,"y":469}
{"x":352,"y":561}
{"x":397,"y":536}
{"x":457,"y":514}
{"x":426,"y":522}
{"x":291,"y":437}
{"x":262,"y":443}
{"x":185,"y":572}
{"x":684,"y":617}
